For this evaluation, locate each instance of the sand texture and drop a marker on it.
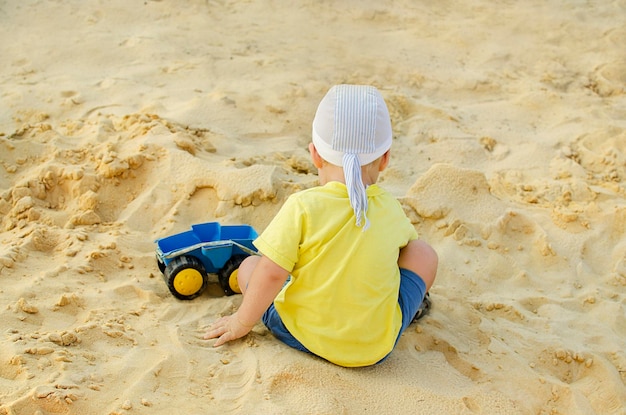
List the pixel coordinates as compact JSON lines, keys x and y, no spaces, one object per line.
{"x":122,"y":122}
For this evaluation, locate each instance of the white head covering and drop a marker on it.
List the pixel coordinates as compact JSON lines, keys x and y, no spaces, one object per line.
{"x":351,"y":129}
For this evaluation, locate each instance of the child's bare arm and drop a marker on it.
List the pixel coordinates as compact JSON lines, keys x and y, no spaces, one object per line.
{"x":265,"y":283}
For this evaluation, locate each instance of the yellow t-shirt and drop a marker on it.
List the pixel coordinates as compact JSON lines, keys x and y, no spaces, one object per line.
{"x":342,"y":300}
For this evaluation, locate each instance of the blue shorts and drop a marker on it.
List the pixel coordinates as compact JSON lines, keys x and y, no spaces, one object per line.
{"x":410,"y":297}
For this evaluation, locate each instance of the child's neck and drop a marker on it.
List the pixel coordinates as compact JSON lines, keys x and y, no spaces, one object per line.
{"x":331,"y":173}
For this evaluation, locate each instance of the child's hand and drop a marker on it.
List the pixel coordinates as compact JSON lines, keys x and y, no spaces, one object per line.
{"x":227,"y":328}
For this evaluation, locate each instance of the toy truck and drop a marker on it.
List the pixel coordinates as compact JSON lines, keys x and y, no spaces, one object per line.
{"x":185,"y":259}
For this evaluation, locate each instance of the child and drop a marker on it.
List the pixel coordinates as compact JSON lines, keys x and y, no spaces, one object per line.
{"x":342,"y":273}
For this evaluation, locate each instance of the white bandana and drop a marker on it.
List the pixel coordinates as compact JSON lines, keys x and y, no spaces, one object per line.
{"x":351,"y":129}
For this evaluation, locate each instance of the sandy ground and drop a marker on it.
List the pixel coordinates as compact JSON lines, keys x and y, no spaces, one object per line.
{"x":122,"y":122}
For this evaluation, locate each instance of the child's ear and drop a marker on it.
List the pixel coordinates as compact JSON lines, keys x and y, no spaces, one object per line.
{"x":384,"y":161}
{"x":315,"y":156}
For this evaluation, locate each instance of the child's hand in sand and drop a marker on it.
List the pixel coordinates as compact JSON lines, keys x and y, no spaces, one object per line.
{"x":228,"y":328}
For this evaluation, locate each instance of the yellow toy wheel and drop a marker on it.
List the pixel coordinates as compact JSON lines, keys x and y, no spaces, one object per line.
{"x":186,"y":277}
{"x":233,"y":282}
{"x":227,"y":276}
{"x":188,"y":282}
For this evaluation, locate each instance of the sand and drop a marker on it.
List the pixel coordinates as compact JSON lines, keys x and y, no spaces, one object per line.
{"x":122,"y":122}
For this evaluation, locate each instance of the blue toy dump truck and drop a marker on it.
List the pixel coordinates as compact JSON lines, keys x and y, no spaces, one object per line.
{"x":185,"y":259}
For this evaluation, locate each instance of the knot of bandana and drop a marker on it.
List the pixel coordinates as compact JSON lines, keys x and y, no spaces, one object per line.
{"x":356,"y":190}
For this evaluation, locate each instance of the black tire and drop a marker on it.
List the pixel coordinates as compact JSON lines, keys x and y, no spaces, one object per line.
{"x":161,"y":265}
{"x":224,"y":274}
{"x":186,"y":277}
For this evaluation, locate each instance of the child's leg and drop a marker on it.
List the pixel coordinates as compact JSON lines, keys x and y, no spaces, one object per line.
{"x":420,"y":258}
{"x":418,"y":267}
{"x":245,"y":271}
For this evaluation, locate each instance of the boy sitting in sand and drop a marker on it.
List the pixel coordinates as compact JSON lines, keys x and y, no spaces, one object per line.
{"x":342,"y":273}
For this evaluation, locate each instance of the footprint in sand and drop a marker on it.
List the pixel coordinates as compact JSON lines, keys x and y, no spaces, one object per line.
{"x":609,"y":79}
{"x":451,"y":354}
{"x":295,"y":385}
{"x":593,"y":378}
{"x":616,"y":36}
{"x":237,"y":372}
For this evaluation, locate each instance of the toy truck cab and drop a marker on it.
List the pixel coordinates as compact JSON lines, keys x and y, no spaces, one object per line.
{"x":185,"y":259}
